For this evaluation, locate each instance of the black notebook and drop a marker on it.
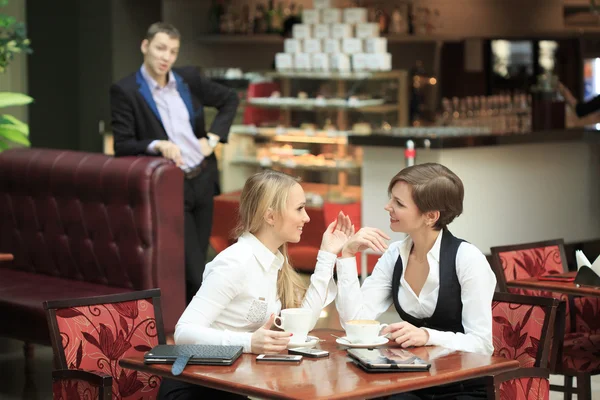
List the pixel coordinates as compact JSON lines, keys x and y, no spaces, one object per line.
{"x":193,"y":354}
{"x":385,"y":359}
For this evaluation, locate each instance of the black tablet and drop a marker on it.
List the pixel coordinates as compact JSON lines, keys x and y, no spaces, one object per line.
{"x":197,"y":353}
{"x":385,"y":359}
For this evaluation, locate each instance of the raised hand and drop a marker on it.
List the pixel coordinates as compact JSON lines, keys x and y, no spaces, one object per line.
{"x":406,"y":335}
{"x":337,"y":234}
{"x":266,"y":341}
{"x":365,"y":238}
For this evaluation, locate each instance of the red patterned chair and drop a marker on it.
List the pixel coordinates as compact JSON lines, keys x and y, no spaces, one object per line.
{"x":521,"y":331}
{"x":580,"y":354}
{"x":85,"y":224}
{"x":90,"y":335}
{"x":78,"y":384}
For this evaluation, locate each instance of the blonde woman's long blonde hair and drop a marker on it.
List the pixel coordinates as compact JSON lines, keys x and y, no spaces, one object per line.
{"x":264,"y":190}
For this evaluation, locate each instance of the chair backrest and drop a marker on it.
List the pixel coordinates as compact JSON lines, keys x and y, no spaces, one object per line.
{"x":529,"y":260}
{"x":94,"y":333}
{"x":80,"y":385}
{"x":225,"y":218}
{"x":522,"y":328}
{"x":256,"y":115}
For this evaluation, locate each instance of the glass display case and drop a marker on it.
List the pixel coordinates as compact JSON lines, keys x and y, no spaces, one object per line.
{"x":307,"y":135}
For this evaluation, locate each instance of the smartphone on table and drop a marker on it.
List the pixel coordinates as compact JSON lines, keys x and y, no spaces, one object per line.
{"x":308,"y":352}
{"x":279,"y":358}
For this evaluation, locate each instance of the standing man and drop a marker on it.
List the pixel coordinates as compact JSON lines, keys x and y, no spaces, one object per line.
{"x":159,"y":111}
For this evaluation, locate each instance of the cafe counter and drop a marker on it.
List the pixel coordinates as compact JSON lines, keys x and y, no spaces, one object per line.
{"x":519,"y":188}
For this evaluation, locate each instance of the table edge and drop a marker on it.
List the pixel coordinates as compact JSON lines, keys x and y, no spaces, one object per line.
{"x":232,"y":387}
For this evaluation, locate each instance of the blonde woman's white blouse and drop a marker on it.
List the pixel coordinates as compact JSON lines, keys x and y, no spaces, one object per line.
{"x":239,"y":293}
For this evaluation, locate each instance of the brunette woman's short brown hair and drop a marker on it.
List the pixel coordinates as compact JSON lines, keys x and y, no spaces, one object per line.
{"x":434,"y":188}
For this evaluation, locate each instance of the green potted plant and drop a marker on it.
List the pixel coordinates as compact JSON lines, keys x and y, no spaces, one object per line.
{"x":13,"y":40}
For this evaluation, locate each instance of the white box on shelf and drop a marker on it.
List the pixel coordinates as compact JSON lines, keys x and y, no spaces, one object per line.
{"x":320,"y":62}
{"x":302,"y":61}
{"x":331,"y":16}
{"x":292,"y":46}
{"x":355,"y":15}
{"x":321,"y":3}
{"x":321,"y":31}
{"x":352,"y":45}
{"x":312,"y":46}
{"x":379,"y":62}
{"x":340,"y":31}
{"x":332,"y":46}
{"x":339,"y":62}
{"x":301,"y":31}
{"x":311,"y":17}
{"x":283,"y":61}
{"x":359,"y":62}
{"x":376,"y":45}
{"x":368,"y":30}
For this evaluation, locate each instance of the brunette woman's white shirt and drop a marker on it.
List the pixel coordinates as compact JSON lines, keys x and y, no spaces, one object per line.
{"x":239,"y":293}
{"x":477,"y":282}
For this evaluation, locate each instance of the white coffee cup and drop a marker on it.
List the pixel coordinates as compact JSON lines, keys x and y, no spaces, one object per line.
{"x":297,"y":321}
{"x":363,"y":330}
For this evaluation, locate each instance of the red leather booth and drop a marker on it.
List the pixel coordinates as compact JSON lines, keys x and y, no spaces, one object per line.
{"x":82,"y":224}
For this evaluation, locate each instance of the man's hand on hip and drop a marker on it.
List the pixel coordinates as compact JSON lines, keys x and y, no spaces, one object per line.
{"x":169,"y":150}
{"x":205,"y":148}
{"x":207,"y":145}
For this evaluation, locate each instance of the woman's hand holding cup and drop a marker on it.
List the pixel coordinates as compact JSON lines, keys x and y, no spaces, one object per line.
{"x":266,"y":341}
{"x":365,"y":238}
{"x":407,"y":335}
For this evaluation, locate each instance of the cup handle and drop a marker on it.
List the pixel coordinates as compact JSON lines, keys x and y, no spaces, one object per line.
{"x":279,"y":325}
{"x":381,"y":328}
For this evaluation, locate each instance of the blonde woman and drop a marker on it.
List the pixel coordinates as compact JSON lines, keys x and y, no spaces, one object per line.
{"x":251,"y":281}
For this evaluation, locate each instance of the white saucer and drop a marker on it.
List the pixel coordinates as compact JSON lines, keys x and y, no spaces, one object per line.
{"x":378,"y":342}
{"x":311,"y":341}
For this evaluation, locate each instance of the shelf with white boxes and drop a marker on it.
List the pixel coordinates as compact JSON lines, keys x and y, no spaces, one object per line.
{"x":341,"y":80}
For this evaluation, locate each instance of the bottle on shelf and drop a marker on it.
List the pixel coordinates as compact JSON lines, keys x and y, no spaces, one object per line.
{"x":260,"y":19}
{"x":291,"y":17}
{"x":243,"y":24}
{"x":215,"y":13}
{"x":417,"y":74}
{"x":277,"y":19}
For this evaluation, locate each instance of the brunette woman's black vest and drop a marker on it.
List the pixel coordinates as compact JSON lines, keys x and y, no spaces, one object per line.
{"x":447,"y":315}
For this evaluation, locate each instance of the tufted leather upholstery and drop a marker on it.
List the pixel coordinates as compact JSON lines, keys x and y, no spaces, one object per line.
{"x":82,"y":224}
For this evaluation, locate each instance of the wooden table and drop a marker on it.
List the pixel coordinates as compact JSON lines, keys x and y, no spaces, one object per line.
{"x":6,"y":257}
{"x":553,"y":286}
{"x":335,"y":377}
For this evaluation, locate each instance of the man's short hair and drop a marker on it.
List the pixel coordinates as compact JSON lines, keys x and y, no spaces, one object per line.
{"x":163,"y":27}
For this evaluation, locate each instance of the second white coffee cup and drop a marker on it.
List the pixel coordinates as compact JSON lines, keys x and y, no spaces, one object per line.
{"x":363,"y":331}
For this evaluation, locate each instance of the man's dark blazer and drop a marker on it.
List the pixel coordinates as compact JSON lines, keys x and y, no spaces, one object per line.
{"x":136,"y":121}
